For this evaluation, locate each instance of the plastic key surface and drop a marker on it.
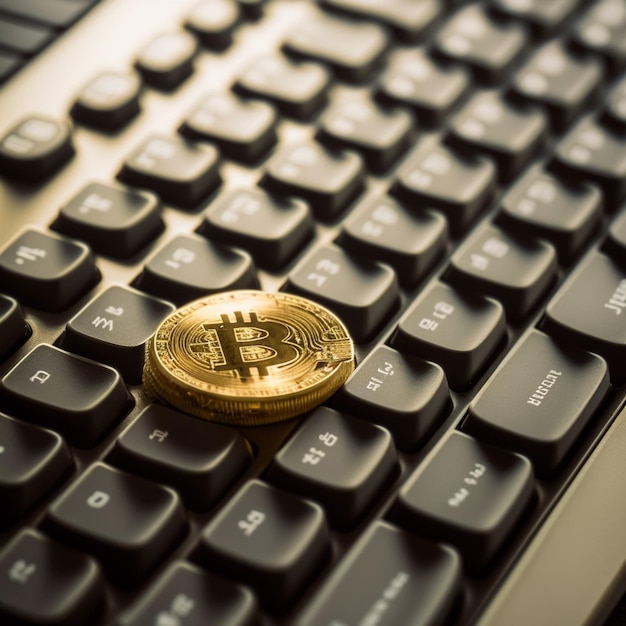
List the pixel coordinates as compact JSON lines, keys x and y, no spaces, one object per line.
{"x":13,"y":327}
{"x":539,"y":400}
{"x":213,"y":22}
{"x":127,"y":522}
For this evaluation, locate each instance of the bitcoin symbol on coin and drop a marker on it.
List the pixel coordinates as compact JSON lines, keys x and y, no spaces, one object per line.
{"x":248,"y":357}
{"x":241,"y":346}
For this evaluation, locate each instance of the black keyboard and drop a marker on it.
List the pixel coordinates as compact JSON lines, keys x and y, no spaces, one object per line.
{"x":449,"y":178}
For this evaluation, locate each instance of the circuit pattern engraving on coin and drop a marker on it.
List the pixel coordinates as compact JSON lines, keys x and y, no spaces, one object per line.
{"x":248,"y":357}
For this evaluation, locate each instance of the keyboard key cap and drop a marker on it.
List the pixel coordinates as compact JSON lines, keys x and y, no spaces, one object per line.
{"x":80,"y":398}
{"x":13,"y":327}
{"x":35,"y":148}
{"x":109,"y":101}
{"x":47,"y":583}
{"x":351,"y":49}
{"x":361,"y":292}
{"x":273,"y":230}
{"x":511,"y":137}
{"x":589,"y":311}
{"x":515,"y":272}
{"x":541,"y":205}
{"x":46,"y":271}
{"x":199,"y":598}
{"x":197,"y":458}
{"x":469,"y":494}
{"x":460,"y":332}
{"x":407,"y":19}
{"x":339,"y":461}
{"x":601,"y":31}
{"x":390,"y":577}
{"x":167,"y":60}
{"x":32,"y":462}
{"x":244,"y":130}
{"x":615,"y":244}
{"x":405,"y":395}
{"x":379,"y":135}
{"x":114,"y":221}
{"x":490,"y":48}
{"x":127,"y":522}
{"x":58,"y":14}
{"x":539,"y":400}
{"x":268,"y":539}
{"x":9,"y":64}
{"x":24,"y":39}
{"x":417,"y":81}
{"x":560,"y":82}
{"x":381,"y":228}
{"x":297,"y":89}
{"x":189,"y":267}
{"x":434,"y":176}
{"x":213,"y":22}
{"x":114,"y":327}
{"x":614,"y":113}
{"x":181,"y":173}
{"x":543,"y":16}
{"x":327,"y":180}
{"x":591,"y":152}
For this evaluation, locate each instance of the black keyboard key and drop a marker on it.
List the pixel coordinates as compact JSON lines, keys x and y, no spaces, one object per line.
{"x":408,"y":20}
{"x":515,"y":272}
{"x":544,"y":16}
{"x":213,"y":22}
{"x":78,"y":397}
{"x":510,"y":136}
{"x":109,"y":101}
{"x":601,"y":31}
{"x":185,"y":592}
{"x":431,"y":90}
{"x":114,"y":221}
{"x":180,"y":172}
{"x":9,"y":64}
{"x":614,"y":113}
{"x":406,"y":395}
{"x":199,"y":459}
{"x":273,"y":230}
{"x":32,"y":462}
{"x":244,"y":130}
{"x":114,"y":327}
{"x":591,"y":152}
{"x":267,"y":538}
{"x":351,"y":49}
{"x":44,"y":582}
{"x":339,"y":461}
{"x":615,"y":244}
{"x":13,"y":327}
{"x":539,"y":400}
{"x":381,"y":228}
{"x":469,"y":494}
{"x":541,"y":205}
{"x":297,"y":89}
{"x":362,"y":293}
{"x":390,"y":577}
{"x":189,"y":267}
{"x":589,"y":311}
{"x":167,"y":60}
{"x":127,"y":522}
{"x":434,"y":176}
{"x":490,"y":48}
{"x":560,"y":82}
{"x":327,"y":180}
{"x":379,"y":135}
{"x":22,"y":38}
{"x":46,"y":271}
{"x":460,"y":332}
{"x":35,"y":148}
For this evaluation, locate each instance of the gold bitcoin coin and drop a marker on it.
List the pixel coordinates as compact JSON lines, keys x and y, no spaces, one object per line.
{"x":248,"y":357}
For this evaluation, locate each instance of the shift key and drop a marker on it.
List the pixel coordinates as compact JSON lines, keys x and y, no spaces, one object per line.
{"x":589,"y":310}
{"x":539,"y":400}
